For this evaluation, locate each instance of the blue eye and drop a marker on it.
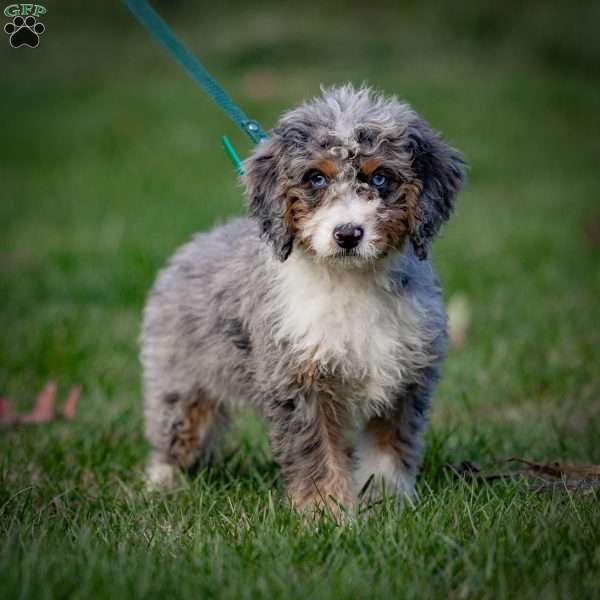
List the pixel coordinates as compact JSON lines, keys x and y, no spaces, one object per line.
{"x":317,"y":180}
{"x":378,"y":180}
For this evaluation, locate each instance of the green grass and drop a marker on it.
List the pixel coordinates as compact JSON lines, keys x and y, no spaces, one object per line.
{"x":110,"y":158}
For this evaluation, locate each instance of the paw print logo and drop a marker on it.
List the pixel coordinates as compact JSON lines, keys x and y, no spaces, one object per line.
{"x":24,"y":32}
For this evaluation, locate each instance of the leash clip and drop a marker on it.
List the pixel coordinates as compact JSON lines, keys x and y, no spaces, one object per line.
{"x":254,"y":130}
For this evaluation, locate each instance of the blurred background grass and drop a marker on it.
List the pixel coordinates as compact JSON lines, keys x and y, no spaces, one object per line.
{"x":111,"y":158}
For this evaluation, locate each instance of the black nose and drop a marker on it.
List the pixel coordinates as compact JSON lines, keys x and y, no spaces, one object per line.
{"x":348,"y":235}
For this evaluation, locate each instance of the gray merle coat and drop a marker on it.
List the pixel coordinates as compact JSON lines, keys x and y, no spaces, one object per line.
{"x":321,"y":308}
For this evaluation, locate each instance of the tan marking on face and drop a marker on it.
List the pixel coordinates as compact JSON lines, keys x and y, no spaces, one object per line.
{"x":398,"y":221}
{"x":327,"y":167}
{"x":296,"y":214}
{"x":411,"y":199}
{"x":370,"y":165}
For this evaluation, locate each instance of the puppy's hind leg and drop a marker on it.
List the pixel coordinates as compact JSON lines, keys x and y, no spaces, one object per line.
{"x":183,"y":430}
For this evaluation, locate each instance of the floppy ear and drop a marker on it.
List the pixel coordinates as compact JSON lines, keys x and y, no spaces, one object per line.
{"x":440,"y":169}
{"x":264,"y":195}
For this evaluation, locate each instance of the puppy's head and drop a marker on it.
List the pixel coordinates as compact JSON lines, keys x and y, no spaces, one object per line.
{"x":349,"y":177}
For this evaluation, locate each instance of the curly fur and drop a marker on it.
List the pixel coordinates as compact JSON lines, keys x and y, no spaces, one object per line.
{"x":323,"y":340}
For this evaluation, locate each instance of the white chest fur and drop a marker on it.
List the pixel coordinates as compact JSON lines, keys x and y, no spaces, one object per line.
{"x":351,"y":324}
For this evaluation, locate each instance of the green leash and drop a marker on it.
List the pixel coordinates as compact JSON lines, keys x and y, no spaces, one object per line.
{"x":160,"y":30}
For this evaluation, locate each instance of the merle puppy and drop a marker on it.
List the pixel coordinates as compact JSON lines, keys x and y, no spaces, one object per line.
{"x":320,"y":309}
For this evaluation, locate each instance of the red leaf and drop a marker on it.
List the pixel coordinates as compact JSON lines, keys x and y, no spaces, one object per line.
{"x":70,"y":406}
{"x":43,"y":411}
{"x":6,"y":414}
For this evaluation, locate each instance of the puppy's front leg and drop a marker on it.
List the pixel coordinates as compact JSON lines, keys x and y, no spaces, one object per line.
{"x":390,"y":447}
{"x":308,"y":441}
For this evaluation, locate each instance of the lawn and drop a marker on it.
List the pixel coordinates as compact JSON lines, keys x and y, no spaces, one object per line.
{"x":111,"y":158}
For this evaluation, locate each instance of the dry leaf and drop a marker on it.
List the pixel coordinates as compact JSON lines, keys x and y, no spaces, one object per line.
{"x":260,"y":83}
{"x":5,"y":409}
{"x":543,"y":477}
{"x":71,"y":403}
{"x":459,"y":319}
{"x":556,"y":469}
{"x":584,"y":486}
{"x":43,"y":410}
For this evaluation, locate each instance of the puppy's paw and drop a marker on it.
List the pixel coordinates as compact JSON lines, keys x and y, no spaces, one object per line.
{"x":161,"y":476}
{"x":321,"y":502}
{"x":378,"y":491}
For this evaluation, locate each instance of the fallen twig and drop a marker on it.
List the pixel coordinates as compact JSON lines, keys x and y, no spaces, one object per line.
{"x":542,"y":477}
